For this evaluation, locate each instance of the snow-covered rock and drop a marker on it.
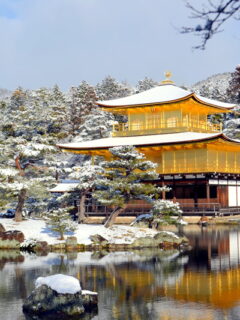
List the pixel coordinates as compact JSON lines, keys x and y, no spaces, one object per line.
{"x":61,"y":296}
{"x":60,"y":283}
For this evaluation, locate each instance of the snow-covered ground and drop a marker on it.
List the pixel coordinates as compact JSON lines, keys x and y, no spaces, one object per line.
{"x":37,"y":229}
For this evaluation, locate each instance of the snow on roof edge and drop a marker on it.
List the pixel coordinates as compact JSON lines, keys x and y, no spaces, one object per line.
{"x":161,"y":139}
{"x":160,"y":95}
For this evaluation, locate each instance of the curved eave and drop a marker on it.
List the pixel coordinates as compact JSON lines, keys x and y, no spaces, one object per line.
{"x":209,"y":104}
{"x":144,"y":104}
{"x":226,"y":108}
{"x":151,"y":144}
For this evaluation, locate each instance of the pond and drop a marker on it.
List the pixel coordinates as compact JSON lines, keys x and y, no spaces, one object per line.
{"x":202,"y":284}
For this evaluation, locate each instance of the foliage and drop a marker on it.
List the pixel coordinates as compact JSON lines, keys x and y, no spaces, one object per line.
{"x":213,"y":15}
{"x":81,"y":102}
{"x":60,"y":222}
{"x":97,"y":125}
{"x":110,"y":88}
{"x":146,"y":84}
{"x":234,"y":86}
{"x":163,"y":212}
{"x":125,"y":178}
{"x":25,"y":148}
{"x":166,"y":208}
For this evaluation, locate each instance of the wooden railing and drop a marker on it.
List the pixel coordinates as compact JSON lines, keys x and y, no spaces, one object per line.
{"x":155,"y":127}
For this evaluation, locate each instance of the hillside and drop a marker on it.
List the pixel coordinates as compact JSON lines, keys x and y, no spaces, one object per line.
{"x":214,"y":87}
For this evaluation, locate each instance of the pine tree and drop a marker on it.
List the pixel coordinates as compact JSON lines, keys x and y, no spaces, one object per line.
{"x":57,"y":114}
{"x":124,"y":179}
{"x":234,"y":86}
{"x":23,"y":171}
{"x":60,"y":221}
{"x":110,"y":88}
{"x":145,"y":84}
{"x":86,"y":174}
{"x":82,"y":101}
{"x":96,"y":125}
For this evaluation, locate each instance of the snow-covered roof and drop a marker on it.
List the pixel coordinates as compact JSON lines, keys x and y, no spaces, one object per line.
{"x":157,"y":139}
{"x":64,"y":187}
{"x":164,"y":93}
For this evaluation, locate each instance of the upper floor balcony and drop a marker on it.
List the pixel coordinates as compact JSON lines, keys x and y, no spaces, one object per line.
{"x":171,"y":125}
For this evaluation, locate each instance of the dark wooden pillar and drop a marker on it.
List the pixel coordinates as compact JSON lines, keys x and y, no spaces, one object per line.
{"x":208,"y":192}
{"x":195,"y":194}
{"x":174,"y":190}
{"x":163,"y":193}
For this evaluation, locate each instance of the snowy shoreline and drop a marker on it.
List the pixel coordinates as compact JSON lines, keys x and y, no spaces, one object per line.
{"x":36,"y":229}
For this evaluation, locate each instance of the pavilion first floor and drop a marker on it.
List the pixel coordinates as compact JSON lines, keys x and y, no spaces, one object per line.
{"x":198,"y":194}
{"x":202,"y":170}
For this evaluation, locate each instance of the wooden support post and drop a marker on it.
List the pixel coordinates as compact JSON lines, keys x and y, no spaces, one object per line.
{"x":163,"y":193}
{"x":195,"y":194}
{"x":174,"y":190}
{"x":208,"y":193}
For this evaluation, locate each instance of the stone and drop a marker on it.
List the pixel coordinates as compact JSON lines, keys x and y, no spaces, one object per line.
{"x":41,"y":246}
{"x":146,"y":242}
{"x":2,"y":229}
{"x":143,"y":221}
{"x":98,"y":239}
{"x":12,"y":235}
{"x":44,"y":301}
{"x":71,"y":244}
{"x":71,"y":241}
{"x":89,"y":300}
{"x":161,"y":239}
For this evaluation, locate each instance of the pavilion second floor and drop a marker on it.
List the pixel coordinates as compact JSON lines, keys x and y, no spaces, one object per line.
{"x":176,"y":153}
{"x":164,"y":122}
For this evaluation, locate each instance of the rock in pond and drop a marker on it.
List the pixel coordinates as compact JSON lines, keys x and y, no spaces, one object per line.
{"x":59,"y":296}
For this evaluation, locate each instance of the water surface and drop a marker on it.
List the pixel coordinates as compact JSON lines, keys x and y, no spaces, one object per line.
{"x":202,"y":284}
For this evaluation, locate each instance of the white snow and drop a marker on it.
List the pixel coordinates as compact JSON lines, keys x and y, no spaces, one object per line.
{"x":161,"y":94}
{"x":37,"y":229}
{"x":60,"y":283}
{"x":93,"y":293}
{"x":157,"y":139}
{"x":64,"y":187}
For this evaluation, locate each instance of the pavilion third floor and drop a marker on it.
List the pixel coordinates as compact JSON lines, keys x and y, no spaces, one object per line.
{"x":164,"y":109}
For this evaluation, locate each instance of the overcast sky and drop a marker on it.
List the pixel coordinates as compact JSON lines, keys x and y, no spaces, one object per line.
{"x":44,"y":42}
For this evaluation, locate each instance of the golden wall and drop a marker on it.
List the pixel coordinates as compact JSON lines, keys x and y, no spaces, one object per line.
{"x":195,"y":160}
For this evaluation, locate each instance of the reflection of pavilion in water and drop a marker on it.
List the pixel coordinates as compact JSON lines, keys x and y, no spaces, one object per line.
{"x":216,"y":249}
{"x":204,"y":287}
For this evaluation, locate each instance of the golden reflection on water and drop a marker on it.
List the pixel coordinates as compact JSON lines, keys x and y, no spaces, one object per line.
{"x":202,"y":284}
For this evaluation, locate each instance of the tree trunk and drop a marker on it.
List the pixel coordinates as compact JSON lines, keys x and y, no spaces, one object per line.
{"x":21,"y":199}
{"x":81,"y":214}
{"x":113,"y":216}
{"x":61,"y":235}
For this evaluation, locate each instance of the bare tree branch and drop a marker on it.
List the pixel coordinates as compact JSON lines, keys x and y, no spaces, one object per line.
{"x":213,"y":15}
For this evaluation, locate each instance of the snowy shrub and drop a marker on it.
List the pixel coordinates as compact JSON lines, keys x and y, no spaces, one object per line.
{"x":29,"y":244}
{"x":166,"y":208}
{"x":60,"y":221}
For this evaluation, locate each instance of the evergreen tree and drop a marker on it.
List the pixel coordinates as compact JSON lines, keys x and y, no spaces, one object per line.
{"x":96,"y":125}
{"x":18,"y":97}
{"x":57,"y":114}
{"x":59,"y":221}
{"x":110,"y":88}
{"x":124,"y":179}
{"x":23,"y":145}
{"x":82,"y":101}
{"x":145,"y":84}
{"x":234,"y":86}
{"x":86,"y":174}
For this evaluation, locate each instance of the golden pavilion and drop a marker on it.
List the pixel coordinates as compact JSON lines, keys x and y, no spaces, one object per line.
{"x":171,"y":126}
